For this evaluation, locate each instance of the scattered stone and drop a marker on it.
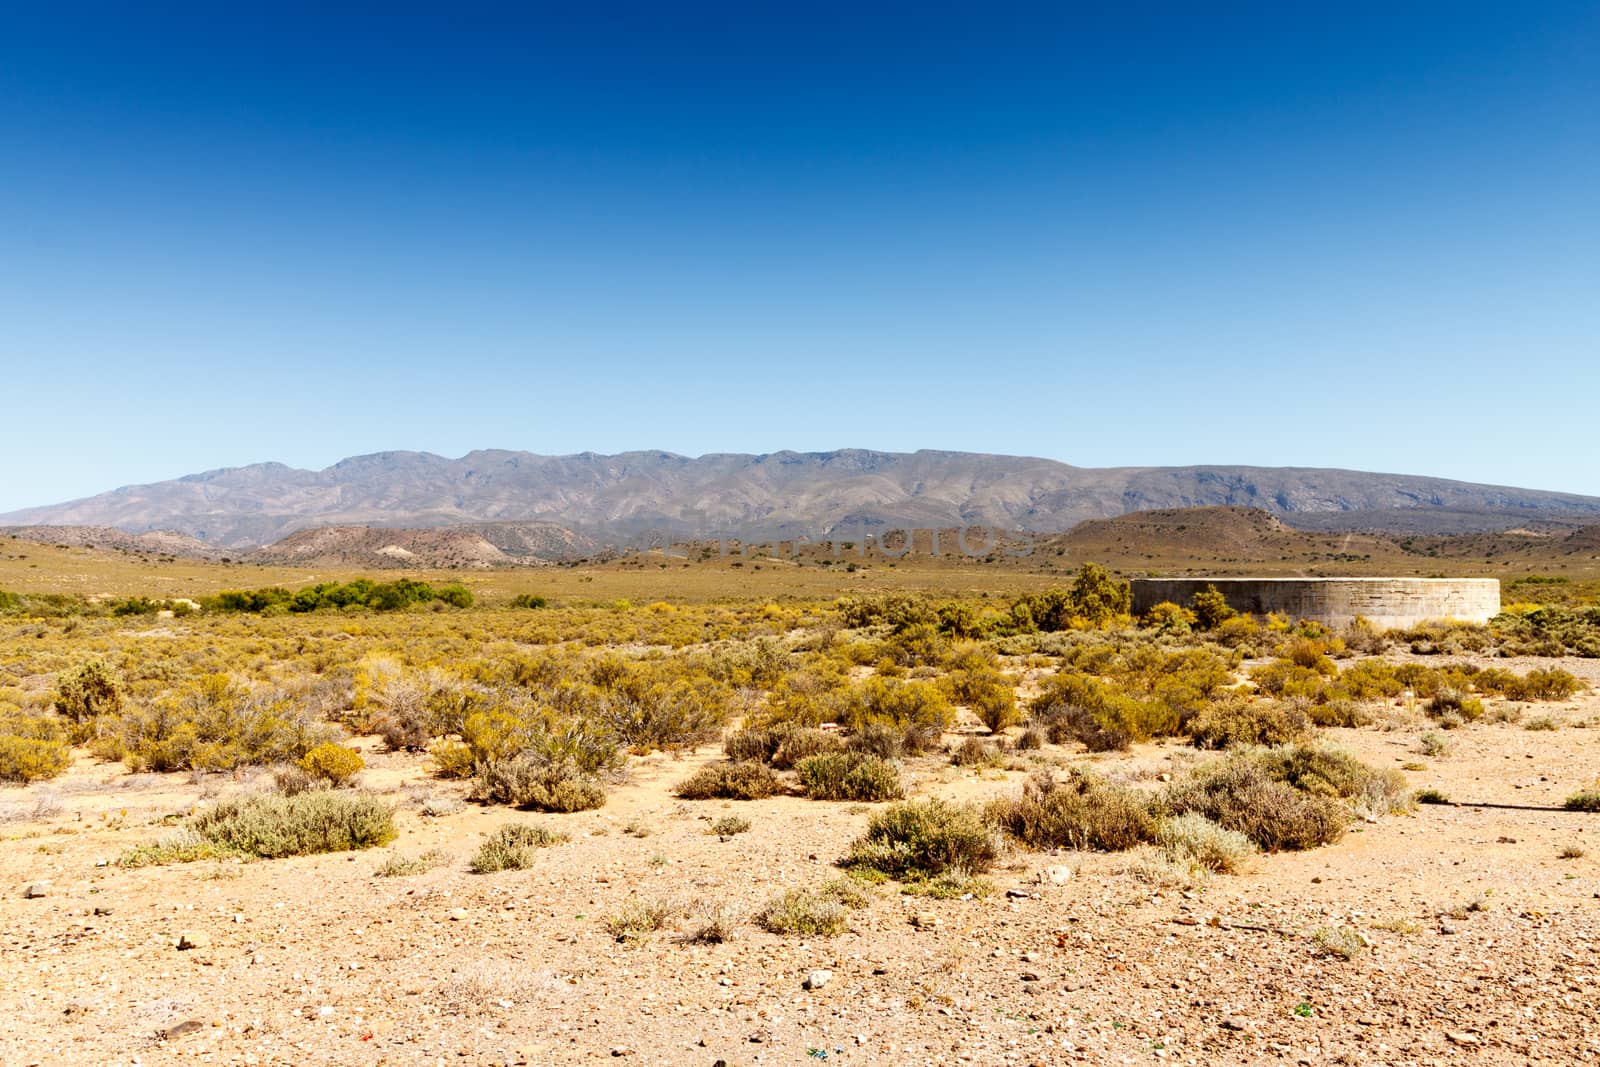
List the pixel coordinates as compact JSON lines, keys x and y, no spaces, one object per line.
{"x":817,"y":979}
{"x":183,"y":1029}
{"x":193,"y":940}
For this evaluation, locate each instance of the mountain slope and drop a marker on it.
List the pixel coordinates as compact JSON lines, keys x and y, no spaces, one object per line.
{"x":813,"y":493}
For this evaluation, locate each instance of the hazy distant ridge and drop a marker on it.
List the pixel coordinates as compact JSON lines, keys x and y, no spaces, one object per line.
{"x":782,"y":492}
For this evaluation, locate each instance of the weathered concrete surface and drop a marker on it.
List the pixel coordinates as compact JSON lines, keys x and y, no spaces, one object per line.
{"x":1385,"y":602}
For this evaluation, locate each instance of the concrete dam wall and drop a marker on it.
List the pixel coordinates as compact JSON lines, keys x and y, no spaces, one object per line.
{"x":1385,"y":602}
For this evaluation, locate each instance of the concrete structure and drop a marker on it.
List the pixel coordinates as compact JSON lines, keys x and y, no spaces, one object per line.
{"x":1385,"y":602}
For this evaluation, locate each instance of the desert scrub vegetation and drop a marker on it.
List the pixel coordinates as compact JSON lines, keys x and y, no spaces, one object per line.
{"x":731,"y":781}
{"x":332,"y":764}
{"x":849,"y":776}
{"x":1286,"y":798}
{"x":513,"y":847}
{"x":33,"y":746}
{"x":640,"y":919}
{"x":1584,"y":800}
{"x":269,"y":826}
{"x":398,"y":866}
{"x":920,"y":839}
{"x":1083,"y":812}
{"x":820,"y":912}
{"x":1193,"y":838}
{"x":362,"y":593}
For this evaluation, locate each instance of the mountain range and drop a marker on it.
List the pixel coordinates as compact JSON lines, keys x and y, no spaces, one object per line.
{"x":553,"y":505}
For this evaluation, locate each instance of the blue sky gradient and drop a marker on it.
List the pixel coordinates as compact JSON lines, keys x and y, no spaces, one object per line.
{"x":1366,"y":236}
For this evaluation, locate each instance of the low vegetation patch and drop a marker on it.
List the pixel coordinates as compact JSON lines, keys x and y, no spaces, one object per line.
{"x":819,"y":912}
{"x":921,"y":839}
{"x":513,"y":847}
{"x":1082,"y":812}
{"x":731,"y":781}
{"x":849,"y":776}
{"x":270,"y":825}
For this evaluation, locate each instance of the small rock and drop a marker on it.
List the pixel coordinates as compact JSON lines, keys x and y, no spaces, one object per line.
{"x":36,"y":890}
{"x":817,"y":979}
{"x":192,"y":940}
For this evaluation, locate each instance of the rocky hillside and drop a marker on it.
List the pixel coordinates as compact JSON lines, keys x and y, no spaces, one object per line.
{"x":150,"y":543}
{"x":482,"y":546}
{"x":814,"y":493}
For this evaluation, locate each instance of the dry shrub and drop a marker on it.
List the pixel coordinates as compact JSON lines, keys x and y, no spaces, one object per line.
{"x":1245,"y":722}
{"x":820,"y":912}
{"x":639,"y":919}
{"x":849,"y":776}
{"x":1083,"y":812}
{"x":975,"y":752}
{"x":32,"y":747}
{"x":731,"y":781}
{"x":513,"y":847}
{"x":534,"y":782}
{"x":271,"y":825}
{"x":914,"y":840}
{"x":332,"y":763}
{"x":1238,"y":793}
{"x":1195,"y":839}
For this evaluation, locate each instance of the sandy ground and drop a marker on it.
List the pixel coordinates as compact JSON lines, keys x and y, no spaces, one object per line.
{"x":320,"y":961}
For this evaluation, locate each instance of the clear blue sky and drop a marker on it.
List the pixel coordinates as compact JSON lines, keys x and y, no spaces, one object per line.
{"x":1365,"y":236}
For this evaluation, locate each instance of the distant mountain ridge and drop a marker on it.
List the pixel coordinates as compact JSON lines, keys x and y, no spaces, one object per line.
{"x":620,"y":497}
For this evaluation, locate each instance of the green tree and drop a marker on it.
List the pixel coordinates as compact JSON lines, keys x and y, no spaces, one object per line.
{"x":1211,"y":608}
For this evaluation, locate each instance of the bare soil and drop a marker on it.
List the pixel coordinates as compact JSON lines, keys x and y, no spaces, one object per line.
{"x":1482,"y":942}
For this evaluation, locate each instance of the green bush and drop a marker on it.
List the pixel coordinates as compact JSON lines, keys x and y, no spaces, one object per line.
{"x":513,"y":847}
{"x":1083,"y":812}
{"x":270,"y":825}
{"x":1211,"y":608}
{"x":849,"y":776}
{"x":731,"y":781}
{"x":913,"y":840}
